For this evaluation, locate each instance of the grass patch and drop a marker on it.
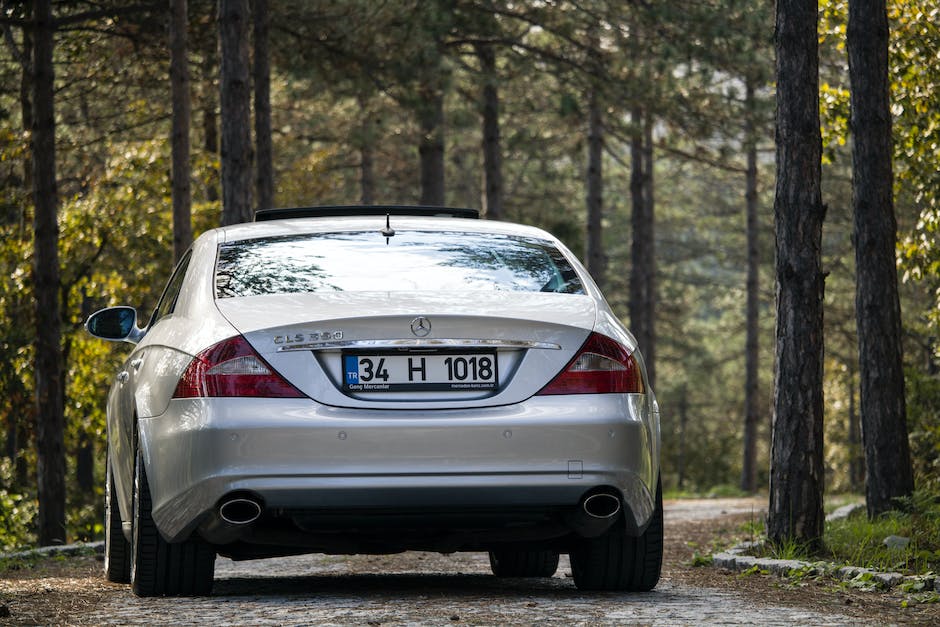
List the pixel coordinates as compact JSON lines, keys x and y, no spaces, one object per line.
{"x":857,"y":541}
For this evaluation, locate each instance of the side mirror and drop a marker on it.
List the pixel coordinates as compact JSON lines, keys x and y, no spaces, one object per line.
{"x":116,"y":324}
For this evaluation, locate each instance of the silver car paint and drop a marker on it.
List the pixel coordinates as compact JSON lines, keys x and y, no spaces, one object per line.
{"x":190,"y":447}
{"x":295,"y":452}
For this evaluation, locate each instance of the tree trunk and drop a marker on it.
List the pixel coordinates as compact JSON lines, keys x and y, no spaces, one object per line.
{"x":751,"y":355}
{"x":856,"y":459}
{"x":877,"y":307}
{"x":594,"y":250}
{"x":366,"y":141}
{"x":26,"y":109}
{"x":797,"y":473}
{"x":492,"y":150}
{"x":235,"y":100}
{"x":683,"y":411}
{"x":649,"y":267}
{"x":210,"y":94}
{"x":50,"y":419}
{"x":641,"y":253}
{"x":431,"y":145}
{"x":264,"y":166}
{"x":179,"y":136}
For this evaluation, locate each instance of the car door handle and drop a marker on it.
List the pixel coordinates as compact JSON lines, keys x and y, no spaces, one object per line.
{"x":136,"y":364}
{"x":123,"y":376}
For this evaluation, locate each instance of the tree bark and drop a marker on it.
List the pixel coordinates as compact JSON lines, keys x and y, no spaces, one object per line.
{"x":797,"y":473}
{"x":366,"y":142}
{"x":642,"y":274}
{"x":235,"y":102}
{"x":210,"y":94}
{"x":431,"y":145}
{"x":751,"y":352}
{"x":649,"y":267}
{"x":264,"y":166}
{"x":492,"y":150}
{"x":594,"y":250}
{"x":877,"y":306}
{"x":50,"y":418}
{"x":179,"y":136}
{"x":856,"y":458}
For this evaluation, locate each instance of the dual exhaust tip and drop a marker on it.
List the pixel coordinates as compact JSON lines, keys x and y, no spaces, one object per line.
{"x":596,"y":513}
{"x":240,"y":511}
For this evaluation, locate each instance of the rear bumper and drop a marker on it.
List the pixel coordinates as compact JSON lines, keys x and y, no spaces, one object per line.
{"x":294,"y":454}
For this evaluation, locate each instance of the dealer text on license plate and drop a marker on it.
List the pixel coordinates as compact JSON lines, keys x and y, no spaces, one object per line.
{"x":419,"y":372}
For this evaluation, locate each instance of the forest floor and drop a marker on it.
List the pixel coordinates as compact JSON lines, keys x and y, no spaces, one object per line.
{"x":423,"y":588}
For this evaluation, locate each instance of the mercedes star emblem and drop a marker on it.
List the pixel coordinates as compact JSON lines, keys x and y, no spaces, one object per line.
{"x":420,"y":326}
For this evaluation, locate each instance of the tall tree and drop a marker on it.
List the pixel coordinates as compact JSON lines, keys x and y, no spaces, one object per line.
{"x":877,"y":306}
{"x":492,"y":149}
{"x":179,"y":136}
{"x":751,"y":349}
{"x":797,"y":472}
{"x":366,"y":144}
{"x":264,"y":166}
{"x":235,"y":100}
{"x":642,"y":250}
{"x":50,"y":406}
{"x":209,"y":78}
{"x":431,"y":144}
{"x":594,"y":251}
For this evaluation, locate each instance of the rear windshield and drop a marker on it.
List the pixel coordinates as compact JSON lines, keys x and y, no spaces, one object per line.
{"x":408,"y":261}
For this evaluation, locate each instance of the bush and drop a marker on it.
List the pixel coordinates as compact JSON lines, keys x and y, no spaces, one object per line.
{"x":17,"y":512}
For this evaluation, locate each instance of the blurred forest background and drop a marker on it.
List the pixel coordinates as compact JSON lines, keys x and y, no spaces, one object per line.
{"x":602,"y":106}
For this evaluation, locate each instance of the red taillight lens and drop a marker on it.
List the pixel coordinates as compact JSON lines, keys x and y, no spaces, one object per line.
{"x":602,"y":366}
{"x":232,"y":368}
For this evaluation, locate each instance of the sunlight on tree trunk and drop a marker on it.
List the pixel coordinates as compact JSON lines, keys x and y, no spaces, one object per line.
{"x":797,"y":472}
{"x":877,"y":307}
{"x":50,"y":420}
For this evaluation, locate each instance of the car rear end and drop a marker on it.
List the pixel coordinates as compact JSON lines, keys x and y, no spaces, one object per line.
{"x":453,"y":385}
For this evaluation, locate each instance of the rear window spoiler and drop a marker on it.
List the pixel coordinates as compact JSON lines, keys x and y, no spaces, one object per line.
{"x":335,"y":211}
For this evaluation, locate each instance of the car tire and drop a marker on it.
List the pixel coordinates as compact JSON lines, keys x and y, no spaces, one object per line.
{"x":524,"y":563}
{"x":161,"y":568}
{"x":616,"y":561}
{"x":117,"y":550}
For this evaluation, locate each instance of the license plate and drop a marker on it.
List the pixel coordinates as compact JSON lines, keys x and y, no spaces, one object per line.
{"x":426,"y":372}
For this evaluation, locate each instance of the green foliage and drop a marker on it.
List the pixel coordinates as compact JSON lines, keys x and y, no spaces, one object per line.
{"x":17,"y":511}
{"x":859,"y":542}
{"x":923,"y":423}
{"x":863,"y":581}
{"x":753,"y":570}
{"x":345,"y":78}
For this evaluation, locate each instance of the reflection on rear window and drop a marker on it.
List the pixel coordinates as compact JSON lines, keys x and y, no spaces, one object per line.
{"x":409,"y":261}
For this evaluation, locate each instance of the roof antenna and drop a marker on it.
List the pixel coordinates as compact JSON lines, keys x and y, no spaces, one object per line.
{"x":388,"y":231}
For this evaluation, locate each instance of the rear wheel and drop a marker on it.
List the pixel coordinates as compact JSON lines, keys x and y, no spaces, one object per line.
{"x":616,"y":561}
{"x":161,"y":568}
{"x":117,"y":550}
{"x":524,"y":563}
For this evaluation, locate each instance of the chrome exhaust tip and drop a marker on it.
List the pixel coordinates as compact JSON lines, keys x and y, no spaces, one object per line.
{"x":601,"y":505}
{"x":596,"y":513}
{"x":240,"y":511}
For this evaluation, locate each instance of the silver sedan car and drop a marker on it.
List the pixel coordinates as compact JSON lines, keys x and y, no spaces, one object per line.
{"x":349,"y":380}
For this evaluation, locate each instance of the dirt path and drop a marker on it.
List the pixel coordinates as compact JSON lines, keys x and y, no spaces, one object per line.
{"x":425,"y":588}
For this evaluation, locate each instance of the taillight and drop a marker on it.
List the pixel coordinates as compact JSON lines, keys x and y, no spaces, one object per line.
{"x":602,"y":366}
{"x":232,"y":368}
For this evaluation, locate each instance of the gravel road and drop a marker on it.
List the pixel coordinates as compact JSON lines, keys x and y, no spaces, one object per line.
{"x":426,"y":588}
{"x":432,"y":589}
